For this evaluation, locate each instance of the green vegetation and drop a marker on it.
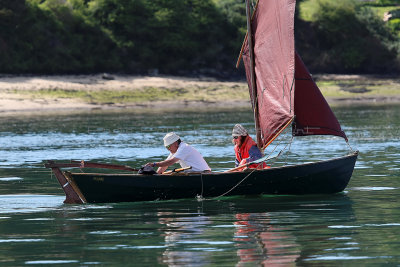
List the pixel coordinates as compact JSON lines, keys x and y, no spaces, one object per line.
{"x":78,"y":36}
{"x":333,"y":87}
{"x":186,"y":37}
{"x":360,"y":87}
{"x":51,"y":38}
{"x":146,"y":94}
{"x":347,"y":35}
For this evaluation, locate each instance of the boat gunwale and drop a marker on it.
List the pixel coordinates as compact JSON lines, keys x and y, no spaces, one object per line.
{"x":353,"y":154}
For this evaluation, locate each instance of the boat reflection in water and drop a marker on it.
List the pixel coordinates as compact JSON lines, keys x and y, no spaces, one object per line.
{"x":272,"y":245}
{"x":255,"y":239}
{"x":269,"y":231}
{"x":181,"y":231}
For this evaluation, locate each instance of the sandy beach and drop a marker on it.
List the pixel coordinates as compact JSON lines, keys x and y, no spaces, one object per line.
{"x":17,"y":93}
{"x":25,"y":93}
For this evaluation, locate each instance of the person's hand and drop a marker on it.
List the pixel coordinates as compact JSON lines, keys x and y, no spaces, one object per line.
{"x":243,"y":162}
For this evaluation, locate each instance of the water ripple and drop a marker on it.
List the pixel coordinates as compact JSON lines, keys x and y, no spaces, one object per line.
{"x":29,"y":203}
{"x":373,"y":188}
{"x":8,"y":179}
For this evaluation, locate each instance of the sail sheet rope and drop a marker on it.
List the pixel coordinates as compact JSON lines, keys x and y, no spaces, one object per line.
{"x":259,"y":161}
{"x":227,"y":192}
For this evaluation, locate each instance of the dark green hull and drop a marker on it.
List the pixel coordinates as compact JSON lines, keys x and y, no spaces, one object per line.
{"x":323,"y":177}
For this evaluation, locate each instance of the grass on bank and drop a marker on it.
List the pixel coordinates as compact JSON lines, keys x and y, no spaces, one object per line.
{"x":359,"y":88}
{"x":348,"y":87}
{"x":146,"y":94}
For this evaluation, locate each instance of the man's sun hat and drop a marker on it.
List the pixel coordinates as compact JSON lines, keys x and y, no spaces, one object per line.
{"x":239,"y":130}
{"x":170,"y":138}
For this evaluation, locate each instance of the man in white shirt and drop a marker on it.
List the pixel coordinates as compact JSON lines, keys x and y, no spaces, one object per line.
{"x":182,"y":153}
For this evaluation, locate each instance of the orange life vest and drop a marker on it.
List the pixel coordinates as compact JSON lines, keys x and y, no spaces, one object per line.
{"x":242,"y":152}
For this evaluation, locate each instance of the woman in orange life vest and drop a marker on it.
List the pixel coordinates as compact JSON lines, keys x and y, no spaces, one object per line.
{"x":246,"y":149}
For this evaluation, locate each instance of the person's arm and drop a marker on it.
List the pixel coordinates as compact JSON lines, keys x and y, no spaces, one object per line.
{"x":163,"y":165}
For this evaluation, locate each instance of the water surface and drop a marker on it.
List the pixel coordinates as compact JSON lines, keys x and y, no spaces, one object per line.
{"x":360,"y":226}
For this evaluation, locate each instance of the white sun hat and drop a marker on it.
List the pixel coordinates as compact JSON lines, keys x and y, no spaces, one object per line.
{"x":239,"y":130}
{"x":170,"y":138}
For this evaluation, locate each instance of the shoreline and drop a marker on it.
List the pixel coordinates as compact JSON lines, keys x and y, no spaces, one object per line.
{"x":42,"y":94}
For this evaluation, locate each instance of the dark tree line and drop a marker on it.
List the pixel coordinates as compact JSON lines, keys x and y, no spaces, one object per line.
{"x":187,"y":37}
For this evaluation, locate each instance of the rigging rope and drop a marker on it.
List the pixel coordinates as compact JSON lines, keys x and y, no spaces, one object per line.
{"x":347,"y":142}
{"x":247,"y":176}
{"x":200,"y":197}
{"x":290,"y":145}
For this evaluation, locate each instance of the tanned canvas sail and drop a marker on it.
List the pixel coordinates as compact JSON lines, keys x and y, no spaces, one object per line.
{"x":273,"y":40}
{"x":285,"y":91}
{"x":313,"y":114}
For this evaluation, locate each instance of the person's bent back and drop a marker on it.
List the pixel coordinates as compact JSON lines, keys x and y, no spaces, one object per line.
{"x":184,"y":154}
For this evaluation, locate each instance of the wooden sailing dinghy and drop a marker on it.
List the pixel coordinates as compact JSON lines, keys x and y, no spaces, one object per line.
{"x":282,"y":94}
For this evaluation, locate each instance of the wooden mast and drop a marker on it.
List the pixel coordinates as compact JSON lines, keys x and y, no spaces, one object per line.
{"x":253,"y":88}
{"x":245,"y":39}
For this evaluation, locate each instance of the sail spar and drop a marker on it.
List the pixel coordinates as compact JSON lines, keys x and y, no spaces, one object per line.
{"x":285,"y":91}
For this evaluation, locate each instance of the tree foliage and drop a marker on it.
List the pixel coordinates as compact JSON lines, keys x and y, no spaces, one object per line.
{"x":348,"y":37}
{"x":167,"y":35}
{"x":179,"y":37}
{"x":48,"y":37}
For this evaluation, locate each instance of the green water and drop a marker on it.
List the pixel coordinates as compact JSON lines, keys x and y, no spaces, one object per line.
{"x":358,"y":227}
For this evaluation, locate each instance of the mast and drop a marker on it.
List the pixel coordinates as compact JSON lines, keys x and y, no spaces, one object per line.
{"x":253,"y":88}
{"x":280,"y":85}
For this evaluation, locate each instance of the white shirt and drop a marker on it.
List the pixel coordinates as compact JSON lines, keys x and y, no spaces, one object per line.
{"x":189,"y":156}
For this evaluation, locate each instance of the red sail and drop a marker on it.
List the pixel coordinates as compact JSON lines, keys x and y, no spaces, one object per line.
{"x":313,"y":114}
{"x":275,"y":64}
{"x":273,"y":35}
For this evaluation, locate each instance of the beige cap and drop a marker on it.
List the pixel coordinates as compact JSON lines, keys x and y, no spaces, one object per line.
{"x":239,"y":130}
{"x":170,"y":138}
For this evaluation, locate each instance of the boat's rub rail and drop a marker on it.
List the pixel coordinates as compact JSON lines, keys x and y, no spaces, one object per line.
{"x":83,"y":164}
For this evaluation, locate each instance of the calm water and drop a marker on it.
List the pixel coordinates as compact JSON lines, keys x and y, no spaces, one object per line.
{"x":356,"y":228}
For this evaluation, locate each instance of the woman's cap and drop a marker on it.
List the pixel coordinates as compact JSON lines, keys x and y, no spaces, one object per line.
{"x":239,"y":130}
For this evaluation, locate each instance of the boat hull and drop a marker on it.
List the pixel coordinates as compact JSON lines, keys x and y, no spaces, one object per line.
{"x":323,"y":177}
